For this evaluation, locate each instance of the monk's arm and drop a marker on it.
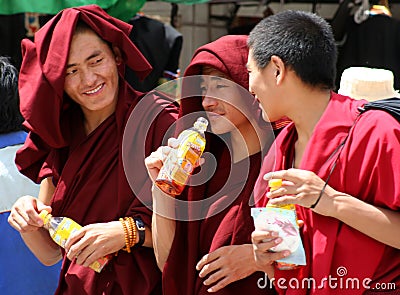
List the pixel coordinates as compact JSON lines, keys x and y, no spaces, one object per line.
{"x":163,"y":226}
{"x":39,"y":241}
{"x":305,"y":188}
{"x":378,"y":223}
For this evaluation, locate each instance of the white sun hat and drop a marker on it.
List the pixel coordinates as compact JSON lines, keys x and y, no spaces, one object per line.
{"x":367,"y":83}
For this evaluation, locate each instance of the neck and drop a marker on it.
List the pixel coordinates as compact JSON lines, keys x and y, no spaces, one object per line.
{"x":247,"y":141}
{"x":308,"y":110}
{"x":93,"y":119}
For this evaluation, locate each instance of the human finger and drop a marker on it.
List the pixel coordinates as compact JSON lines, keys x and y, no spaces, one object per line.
{"x":200,"y":162}
{"x":173,"y":142}
{"x":267,"y":244}
{"x":221,"y":284}
{"x":274,"y":256}
{"x":209,"y":268}
{"x":154,"y":160}
{"x":75,"y":245}
{"x":18,"y":222}
{"x":258,"y":236}
{"x":24,"y":216}
{"x":215,"y":277}
{"x":207,"y":259}
{"x":294,"y":175}
{"x":87,"y":255}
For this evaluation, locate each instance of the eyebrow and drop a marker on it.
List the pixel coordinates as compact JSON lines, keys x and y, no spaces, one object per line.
{"x":94,"y":54}
{"x":213,"y":78}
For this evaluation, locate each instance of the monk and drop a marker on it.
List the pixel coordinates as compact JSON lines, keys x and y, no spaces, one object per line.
{"x":206,"y":247}
{"x":340,"y":166}
{"x":76,"y":105}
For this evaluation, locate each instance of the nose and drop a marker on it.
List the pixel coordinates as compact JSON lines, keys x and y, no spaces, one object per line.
{"x":88,"y":77}
{"x":209,"y":102}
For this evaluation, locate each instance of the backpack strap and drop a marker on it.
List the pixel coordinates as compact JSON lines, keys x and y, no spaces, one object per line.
{"x":390,"y":105}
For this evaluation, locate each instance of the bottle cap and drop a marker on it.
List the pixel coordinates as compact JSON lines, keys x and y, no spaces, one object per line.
{"x":201,"y":124}
{"x":275,"y":183}
{"x":45,"y":215}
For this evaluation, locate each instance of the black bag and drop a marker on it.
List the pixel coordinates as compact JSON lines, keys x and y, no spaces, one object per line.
{"x":390,"y":105}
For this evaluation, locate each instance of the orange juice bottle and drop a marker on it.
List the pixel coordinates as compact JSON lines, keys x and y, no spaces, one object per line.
{"x":275,"y":184}
{"x":60,"y":228}
{"x":180,"y":163}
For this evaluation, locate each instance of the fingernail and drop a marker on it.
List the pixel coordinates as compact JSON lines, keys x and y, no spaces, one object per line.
{"x":210,"y":290}
{"x":286,"y":253}
{"x":278,"y":240}
{"x":274,"y":234}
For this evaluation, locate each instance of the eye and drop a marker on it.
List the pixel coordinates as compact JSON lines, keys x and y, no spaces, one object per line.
{"x":97,"y":61}
{"x":219,"y":86}
{"x":71,"y":71}
{"x":203,"y":89}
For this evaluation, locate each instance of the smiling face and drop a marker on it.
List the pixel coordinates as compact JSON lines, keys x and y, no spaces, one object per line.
{"x":223,"y":101}
{"x":262,"y":83}
{"x":92,"y":76}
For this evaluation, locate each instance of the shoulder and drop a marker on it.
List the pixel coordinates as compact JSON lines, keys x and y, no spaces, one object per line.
{"x":379,"y":123}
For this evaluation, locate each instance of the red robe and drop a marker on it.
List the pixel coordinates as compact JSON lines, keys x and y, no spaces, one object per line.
{"x":233,"y":225}
{"x":91,"y":173}
{"x":368,"y":169}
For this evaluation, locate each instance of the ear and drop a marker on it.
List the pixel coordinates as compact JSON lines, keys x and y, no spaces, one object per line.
{"x":118,"y":55}
{"x":279,"y":68}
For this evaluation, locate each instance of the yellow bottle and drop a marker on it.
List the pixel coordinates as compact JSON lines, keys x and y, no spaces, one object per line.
{"x":179,"y":164}
{"x":275,"y":184}
{"x":60,"y":228}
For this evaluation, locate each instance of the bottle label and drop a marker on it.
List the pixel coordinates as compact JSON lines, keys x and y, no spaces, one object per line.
{"x":181,"y":162}
{"x":64,"y":230}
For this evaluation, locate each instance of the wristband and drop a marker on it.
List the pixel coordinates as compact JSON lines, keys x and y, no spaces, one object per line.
{"x":319,"y":197}
{"x":140,"y":229}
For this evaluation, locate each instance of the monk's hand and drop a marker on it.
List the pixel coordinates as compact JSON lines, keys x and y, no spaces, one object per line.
{"x":226,"y":265}
{"x":156,"y":160}
{"x":263,"y":241}
{"x":24,"y":215}
{"x":303,"y":188}
{"x":95,"y":241}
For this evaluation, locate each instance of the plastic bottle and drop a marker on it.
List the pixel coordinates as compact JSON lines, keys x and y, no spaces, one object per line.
{"x":275,"y":184}
{"x":180,"y":163}
{"x":60,"y":228}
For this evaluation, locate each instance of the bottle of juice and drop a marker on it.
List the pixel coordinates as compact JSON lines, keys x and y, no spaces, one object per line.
{"x":180,"y":163}
{"x":60,"y":228}
{"x":275,"y":184}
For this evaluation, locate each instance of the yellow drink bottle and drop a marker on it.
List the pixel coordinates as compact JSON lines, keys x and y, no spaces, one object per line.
{"x":60,"y":228}
{"x":180,"y":163}
{"x":275,"y":184}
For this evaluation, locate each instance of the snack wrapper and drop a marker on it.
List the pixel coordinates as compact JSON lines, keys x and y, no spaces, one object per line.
{"x":282,"y":221}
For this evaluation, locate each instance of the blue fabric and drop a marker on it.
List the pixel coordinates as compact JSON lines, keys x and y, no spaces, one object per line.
{"x":12,"y":138}
{"x":20,"y":271}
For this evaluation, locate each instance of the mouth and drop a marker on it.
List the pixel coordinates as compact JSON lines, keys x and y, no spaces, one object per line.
{"x":95,"y":90}
{"x":212,"y":115}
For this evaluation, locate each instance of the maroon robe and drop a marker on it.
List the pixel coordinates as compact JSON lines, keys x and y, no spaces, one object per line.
{"x":234,"y":224}
{"x":89,"y":170}
{"x":368,"y":169}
